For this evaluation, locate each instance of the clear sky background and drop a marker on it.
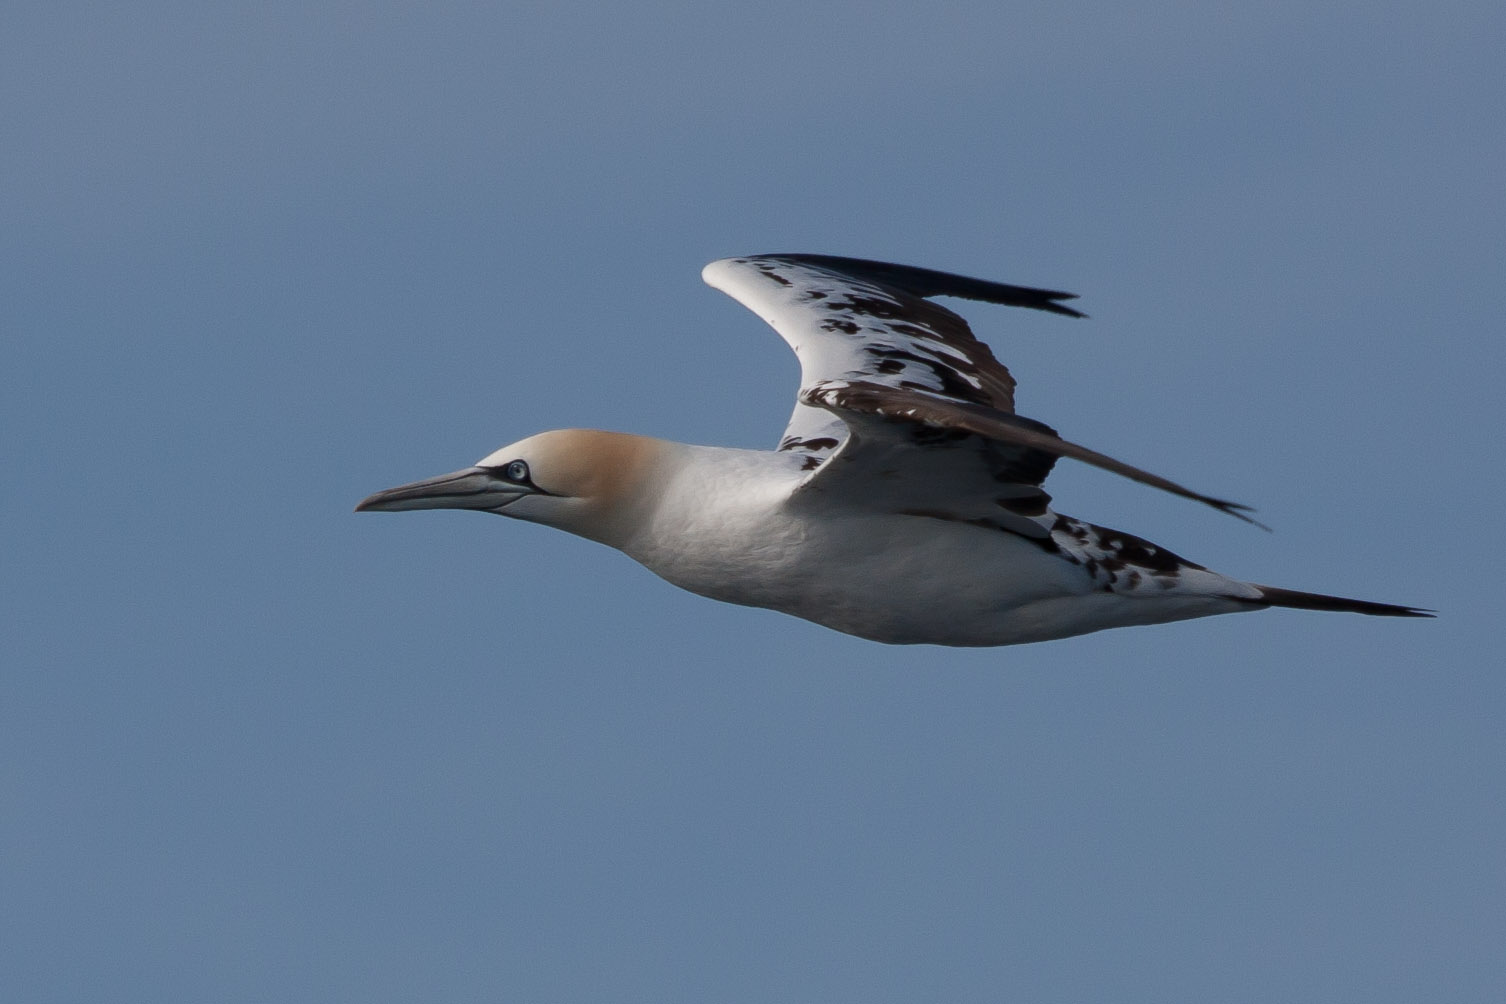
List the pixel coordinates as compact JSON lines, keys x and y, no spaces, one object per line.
{"x":260,"y":260}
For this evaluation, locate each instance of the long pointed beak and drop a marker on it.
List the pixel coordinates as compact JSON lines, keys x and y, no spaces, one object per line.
{"x":472,"y":488}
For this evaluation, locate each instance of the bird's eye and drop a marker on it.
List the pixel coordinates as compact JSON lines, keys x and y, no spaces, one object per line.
{"x":516,"y":471}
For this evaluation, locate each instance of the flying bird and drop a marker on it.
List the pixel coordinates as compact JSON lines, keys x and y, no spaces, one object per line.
{"x":904,"y":502}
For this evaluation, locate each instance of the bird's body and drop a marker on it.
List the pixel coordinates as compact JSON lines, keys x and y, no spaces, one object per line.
{"x":732,"y":525}
{"x":904,"y":504}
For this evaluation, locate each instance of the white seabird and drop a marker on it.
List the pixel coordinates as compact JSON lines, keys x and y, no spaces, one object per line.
{"x":904,"y":502}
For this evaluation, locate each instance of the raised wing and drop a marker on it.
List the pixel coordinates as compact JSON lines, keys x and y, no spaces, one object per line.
{"x":899,"y":383}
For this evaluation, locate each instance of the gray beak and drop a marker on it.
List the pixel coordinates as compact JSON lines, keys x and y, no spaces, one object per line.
{"x":472,"y":488}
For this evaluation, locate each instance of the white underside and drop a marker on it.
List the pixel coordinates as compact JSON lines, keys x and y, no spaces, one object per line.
{"x":738,"y":537}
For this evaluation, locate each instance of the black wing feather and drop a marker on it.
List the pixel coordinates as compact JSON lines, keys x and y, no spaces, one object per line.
{"x":930,"y":282}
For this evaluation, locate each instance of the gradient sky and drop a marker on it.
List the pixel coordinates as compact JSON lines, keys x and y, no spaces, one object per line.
{"x":260,"y":260}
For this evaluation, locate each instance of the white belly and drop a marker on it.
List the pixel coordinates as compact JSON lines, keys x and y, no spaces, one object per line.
{"x":907,"y":580}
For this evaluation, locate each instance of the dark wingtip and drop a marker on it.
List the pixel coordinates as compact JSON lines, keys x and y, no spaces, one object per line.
{"x":1056,"y":308}
{"x":929,"y":282}
{"x":1236,"y":509}
{"x":1275,"y":596}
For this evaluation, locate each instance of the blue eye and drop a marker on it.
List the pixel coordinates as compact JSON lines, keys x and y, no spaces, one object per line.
{"x":516,"y":471}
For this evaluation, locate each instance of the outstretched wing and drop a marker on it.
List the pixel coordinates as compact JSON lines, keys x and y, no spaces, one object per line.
{"x":901,"y":386}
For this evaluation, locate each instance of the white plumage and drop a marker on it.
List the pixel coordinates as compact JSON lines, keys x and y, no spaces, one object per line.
{"x":904,"y":503}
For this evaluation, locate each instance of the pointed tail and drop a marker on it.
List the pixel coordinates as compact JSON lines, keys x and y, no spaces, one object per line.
{"x":1276,"y":597}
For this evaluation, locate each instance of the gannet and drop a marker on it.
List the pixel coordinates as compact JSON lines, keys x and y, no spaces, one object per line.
{"x":904,"y":501}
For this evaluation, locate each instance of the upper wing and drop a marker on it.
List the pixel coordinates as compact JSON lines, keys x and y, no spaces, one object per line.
{"x":884,"y":371}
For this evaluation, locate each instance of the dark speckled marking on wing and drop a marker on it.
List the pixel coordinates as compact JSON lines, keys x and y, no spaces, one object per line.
{"x":909,"y":336}
{"x":870,"y":322}
{"x":909,"y":341}
{"x":1119,"y":562}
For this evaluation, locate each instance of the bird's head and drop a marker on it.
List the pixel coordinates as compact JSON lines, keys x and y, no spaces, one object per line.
{"x":587,"y":482}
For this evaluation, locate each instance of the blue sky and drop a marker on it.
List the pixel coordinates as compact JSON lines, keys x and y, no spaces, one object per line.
{"x":262,"y":260}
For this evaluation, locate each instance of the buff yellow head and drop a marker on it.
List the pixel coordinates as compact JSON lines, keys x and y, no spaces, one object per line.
{"x":585,"y":481}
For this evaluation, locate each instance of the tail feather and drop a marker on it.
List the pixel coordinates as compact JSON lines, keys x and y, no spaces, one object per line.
{"x":1274,"y":596}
